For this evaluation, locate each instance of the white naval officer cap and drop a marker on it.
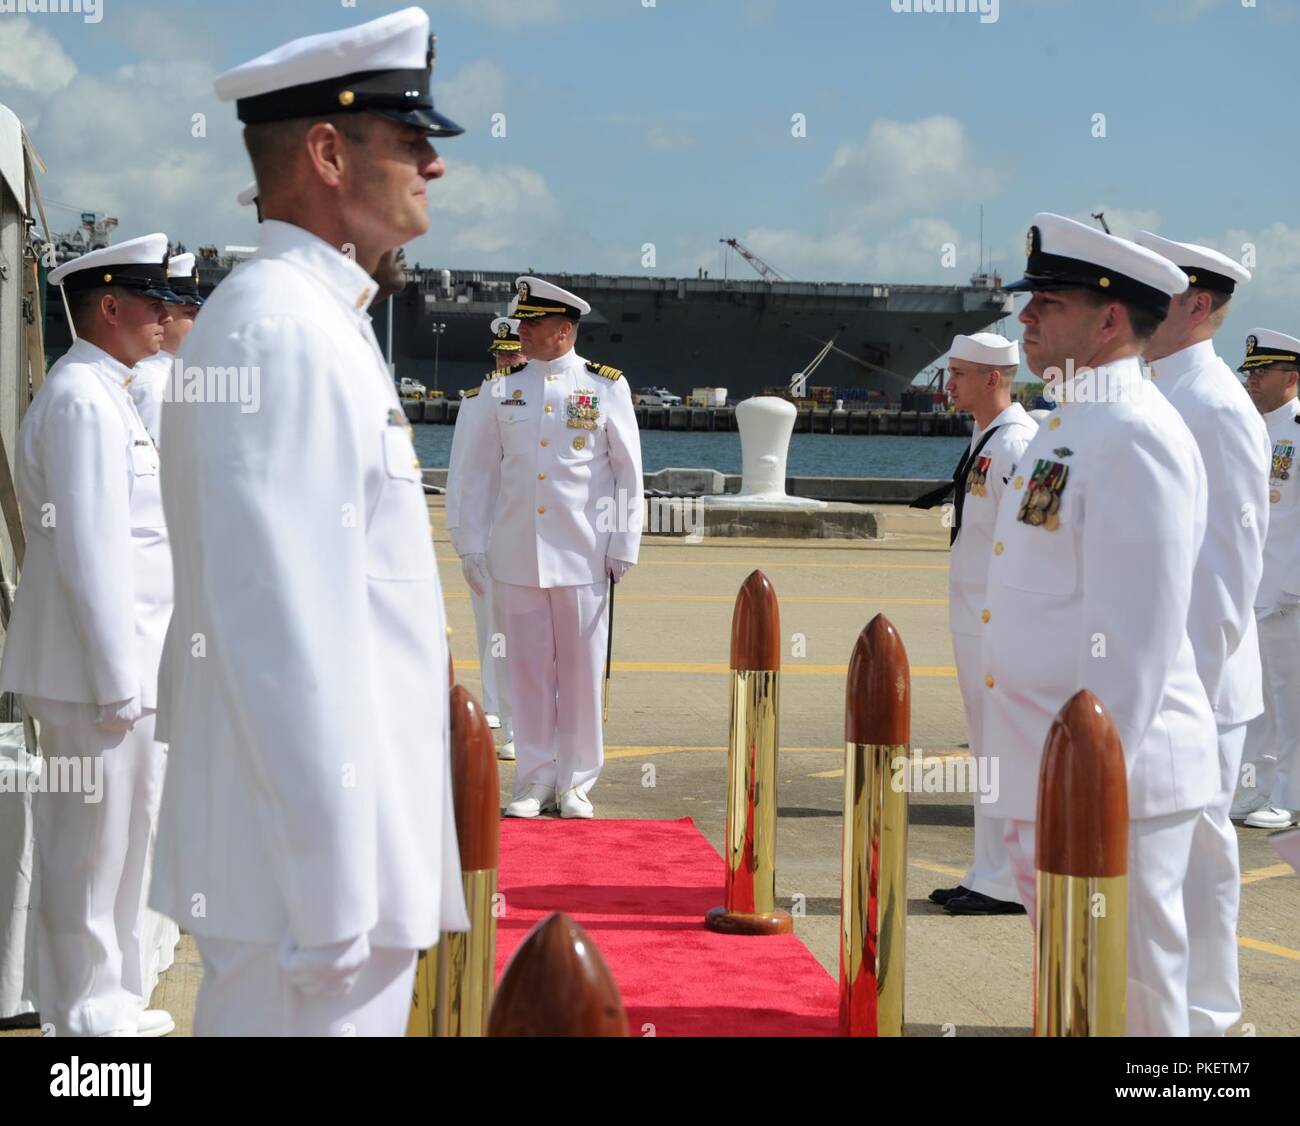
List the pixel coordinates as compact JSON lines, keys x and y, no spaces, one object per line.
{"x":248,"y":196}
{"x":985,"y":348}
{"x":537,"y":298}
{"x":383,"y":66}
{"x":138,"y":264}
{"x":505,"y":335}
{"x":1265,"y":346}
{"x":183,"y":279}
{"x":1065,"y":254}
{"x":1205,"y":267}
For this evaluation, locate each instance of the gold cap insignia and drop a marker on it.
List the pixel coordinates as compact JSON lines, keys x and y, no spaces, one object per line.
{"x":503,"y":330}
{"x":432,"y":56}
{"x":1104,"y":283}
{"x":346,"y":98}
{"x":1191,"y":278}
{"x":108,"y":277}
{"x":517,"y":395}
{"x":1250,"y":344}
{"x":1029,"y":242}
{"x":579,"y":443}
{"x":523,"y":291}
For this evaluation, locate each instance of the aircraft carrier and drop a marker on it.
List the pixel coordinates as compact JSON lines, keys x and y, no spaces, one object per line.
{"x":745,"y":335}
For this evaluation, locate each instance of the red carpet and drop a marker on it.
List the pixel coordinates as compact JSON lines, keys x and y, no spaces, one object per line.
{"x":642,"y":889}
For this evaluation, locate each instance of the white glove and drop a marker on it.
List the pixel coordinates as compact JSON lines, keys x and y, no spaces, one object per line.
{"x":474,"y":568}
{"x":616,"y":568}
{"x":325,"y":971}
{"x":119,"y":718}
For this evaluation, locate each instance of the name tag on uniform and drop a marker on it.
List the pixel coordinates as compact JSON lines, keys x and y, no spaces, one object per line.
{"x":1042,"y":504}
{"x":977,"y":476}
{"x":583,"y":410}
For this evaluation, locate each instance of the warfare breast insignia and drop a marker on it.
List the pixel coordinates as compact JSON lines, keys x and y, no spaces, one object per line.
{"x":1042,"y":504}
{"x":583,"y":410}
{"x":977,"y":476}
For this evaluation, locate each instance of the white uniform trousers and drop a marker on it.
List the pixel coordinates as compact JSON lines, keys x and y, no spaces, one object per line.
{"x":492,"y":669}
{"x":1211,"y":898}
{"x":92,"y":859}
{"x":990,"y":870}
{"x":245,"y":992}
{"x":555,"y":652}
{"x":1159,"y":851}
{"x":1273,"y":739}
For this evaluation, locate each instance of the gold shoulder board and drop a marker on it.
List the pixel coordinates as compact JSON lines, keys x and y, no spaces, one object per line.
{"x":470,"y":394}
{"x":604,"y":371}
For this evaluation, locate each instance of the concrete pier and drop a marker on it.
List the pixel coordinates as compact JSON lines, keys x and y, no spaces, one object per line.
{"x":819,"y":420}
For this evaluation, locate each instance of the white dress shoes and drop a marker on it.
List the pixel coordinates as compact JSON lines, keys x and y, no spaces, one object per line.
{"x":535,"y":800}
{"x":1270,"y":817}
{"x":155,"y":1022}
{"x":493,"y":721}
{"x":506,"y":752}
{"x":575,"y":803}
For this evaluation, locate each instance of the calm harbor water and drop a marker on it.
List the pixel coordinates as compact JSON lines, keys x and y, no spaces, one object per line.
{"x":811,"y":455}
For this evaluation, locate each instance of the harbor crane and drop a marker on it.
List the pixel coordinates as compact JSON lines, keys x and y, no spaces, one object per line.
{"x":768,"y":274}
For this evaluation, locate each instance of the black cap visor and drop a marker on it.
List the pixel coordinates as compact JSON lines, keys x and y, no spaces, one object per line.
{"x":422,"y":117}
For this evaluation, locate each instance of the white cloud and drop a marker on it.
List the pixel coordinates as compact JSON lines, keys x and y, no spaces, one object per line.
{"x":902,"y":167}
{"x":667,"y":139}
{"x":510,"y":14}
{"x":32,"y":59}
{"x":473,"y":94}
{"x":486,"y":211}
{"x":1276,"y":272}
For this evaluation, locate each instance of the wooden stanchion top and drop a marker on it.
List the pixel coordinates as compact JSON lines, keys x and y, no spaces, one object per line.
{"x":557,"y":984}
{"x":878,"y":690}
{"x":1082,"y":794}
{"x":474,"y":786}
{"x":756,"y":627}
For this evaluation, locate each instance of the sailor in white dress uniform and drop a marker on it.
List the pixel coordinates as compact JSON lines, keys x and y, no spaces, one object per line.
{"x":86,"y":637}
{"x":1268,"y":795}
{"x":307,"y":836}
{"x":488,"y":618}
{"x":1234,"y":447}
{"x":566,"y":521}
{"x":980,"y":371}
{"x":1091,"y":582}
{"x":155,"y":376}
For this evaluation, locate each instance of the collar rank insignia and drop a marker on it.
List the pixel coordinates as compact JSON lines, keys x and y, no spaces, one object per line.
{"x":1042,"y":504}
{"x":396,"y":417}
{"x":1063,"y":451}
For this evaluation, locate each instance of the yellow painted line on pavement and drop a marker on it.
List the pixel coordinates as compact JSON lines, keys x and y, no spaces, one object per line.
{"x":729,"y":599}
{"x":1269,"y":948}
{"x":773,"y":564}
{"x":839,"y":773}
{"x":1272,"y":872}
{"x":919,"y":671}
{"x":940,"y":869}
{"x":637,"y":752}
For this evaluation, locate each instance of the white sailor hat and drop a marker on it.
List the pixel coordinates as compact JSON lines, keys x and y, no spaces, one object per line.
{"x":505,"y":335}
{"x":985,"y":348}
{"x":1205,"y":268}
{"x":249,"y":195}
{"x":138,"y":264}
{"x":183,"y":280}
{"x":537,"y":298}
{"x":1063,"y":254}
{"x":383,"y":66}
{"x":1264,"y":347}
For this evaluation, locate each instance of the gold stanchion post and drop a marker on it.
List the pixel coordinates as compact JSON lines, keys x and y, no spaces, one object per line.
{"x":1081,"y":854}
{"x":873,"y":890}
{"x":749,"y":906}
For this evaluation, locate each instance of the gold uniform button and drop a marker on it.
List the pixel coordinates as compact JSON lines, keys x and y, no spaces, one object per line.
{"x":988,"y":681}
{"x":415,"y":463}
{"x":579,"y":443}
{"x":546,"y":441}
{"x":1018,"y":483}
{"x":541,"y":476}
{"x":997,"y":548}
{"x":1274,"y":495}
{"x":1055,"y":424}
{"x":550,"y":379}
{"x":548,"y":408}
{"x":984,"y":617}
{"x":541,"y":509}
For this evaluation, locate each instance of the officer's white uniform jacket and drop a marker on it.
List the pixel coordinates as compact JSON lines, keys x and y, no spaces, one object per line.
{"x":152,"y":377}
{"x":469,"y":405}
{"x":304,"y":688}
{"x":96,"y":592}
{"x":1096,"y":596}
{"x":568,"y":496}
{"x":1280,"y":584}
{"x":986,"y":479}
{"x":1233,"y":444}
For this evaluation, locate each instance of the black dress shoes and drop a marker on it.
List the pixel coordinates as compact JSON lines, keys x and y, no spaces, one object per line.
{"x":943,"y":895}
{"x":973,"y":903}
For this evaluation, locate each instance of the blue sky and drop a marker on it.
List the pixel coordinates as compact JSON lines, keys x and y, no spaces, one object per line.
{"x":672,"y":124}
